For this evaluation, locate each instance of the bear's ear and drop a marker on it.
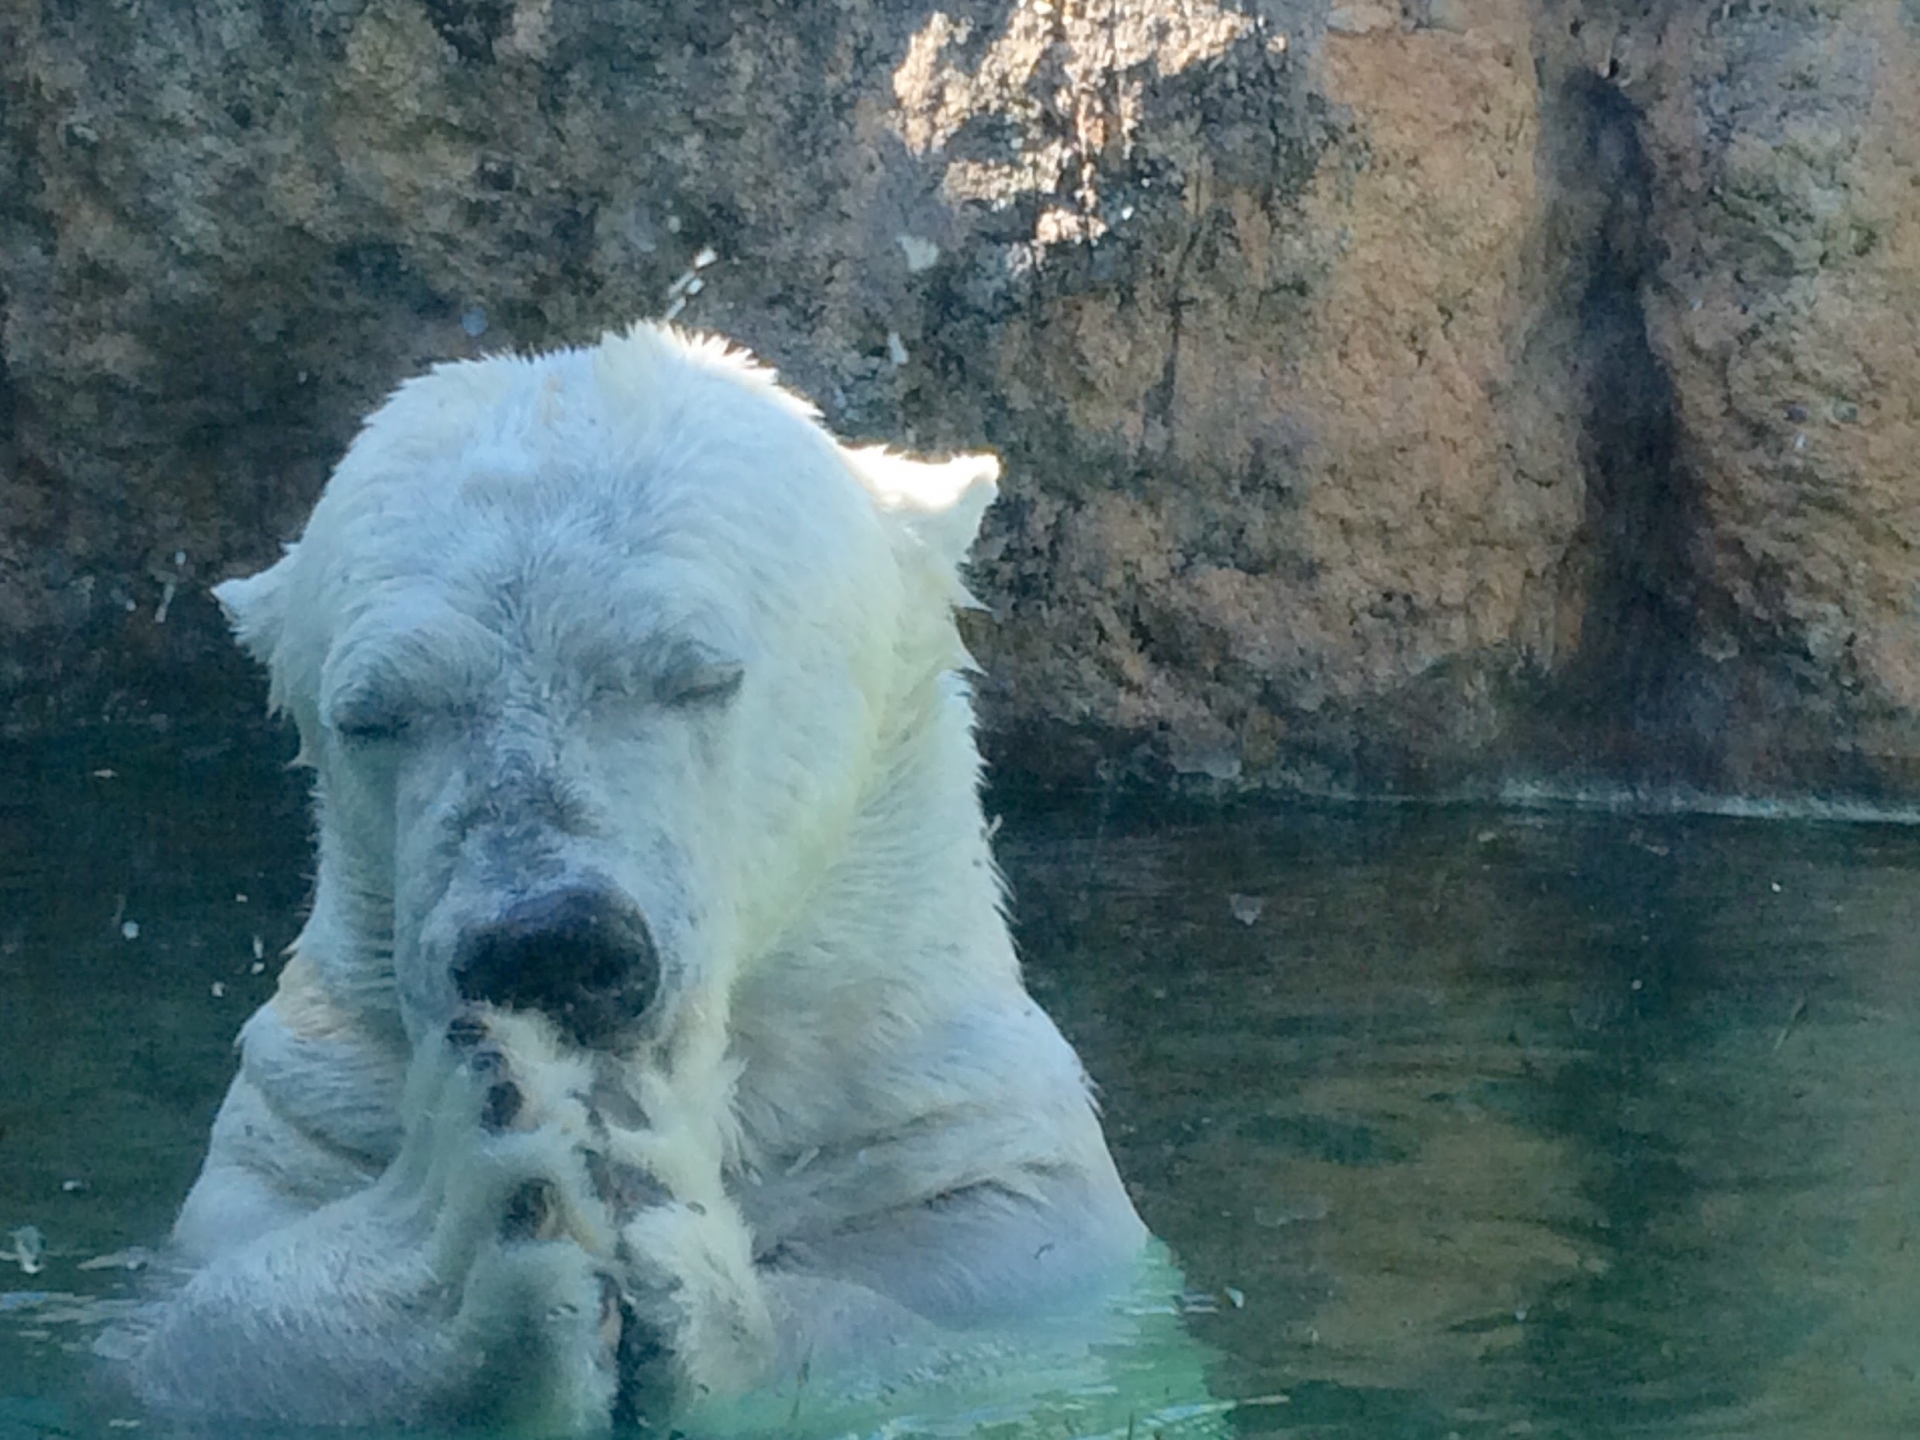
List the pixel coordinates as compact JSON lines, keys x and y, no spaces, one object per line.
{"x":256,"y":607}
{"x":939,"y":502}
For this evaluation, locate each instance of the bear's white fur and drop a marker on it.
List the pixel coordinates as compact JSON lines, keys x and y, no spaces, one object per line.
{"x":627,"y":618}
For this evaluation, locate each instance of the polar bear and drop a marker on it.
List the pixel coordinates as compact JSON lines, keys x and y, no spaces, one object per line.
{"x":656,"y":1034}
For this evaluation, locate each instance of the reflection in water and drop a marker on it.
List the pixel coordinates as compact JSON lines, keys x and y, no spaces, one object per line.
{"x":1512,"y":1123}
{"x":1462,"y":1122}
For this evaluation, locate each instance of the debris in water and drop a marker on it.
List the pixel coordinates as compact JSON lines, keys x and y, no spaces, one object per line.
{"x":1246,"y":908}
{"x":72,"y":1187}
{"x":219,"y":990}
{"x":259,"y":948}
{"x":1799,"y":1009}
{"x":896,"y":349}
{"x":29,"y":1248}
{"x":1305,"y":1209}
{"x":134,"y":1257}
{"x":129,"y":929}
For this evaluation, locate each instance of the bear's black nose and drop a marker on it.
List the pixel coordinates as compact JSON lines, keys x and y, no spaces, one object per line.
{"x":582,"y":956}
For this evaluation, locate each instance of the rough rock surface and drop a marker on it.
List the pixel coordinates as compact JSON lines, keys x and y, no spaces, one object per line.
{"x":1394,"y":395}
{"x":1786,"y":195}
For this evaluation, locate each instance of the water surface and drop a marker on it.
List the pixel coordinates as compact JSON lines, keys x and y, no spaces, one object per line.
{"x":1461,"y":1122}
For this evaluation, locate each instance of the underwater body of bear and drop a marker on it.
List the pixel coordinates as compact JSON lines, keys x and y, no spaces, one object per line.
{"x":656,"y":1034}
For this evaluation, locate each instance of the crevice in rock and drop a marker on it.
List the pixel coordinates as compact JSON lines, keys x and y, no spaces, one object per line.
{"x":1632,"y":684}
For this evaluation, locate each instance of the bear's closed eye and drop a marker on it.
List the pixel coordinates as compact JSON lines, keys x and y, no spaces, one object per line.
{"x":701,"y":680}
{"x":373,"y":729}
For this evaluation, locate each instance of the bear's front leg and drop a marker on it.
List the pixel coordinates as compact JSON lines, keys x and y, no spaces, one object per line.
{"x":524,"y":1220}
{"x":695,"y":1317}
{"x":473,"y":1282}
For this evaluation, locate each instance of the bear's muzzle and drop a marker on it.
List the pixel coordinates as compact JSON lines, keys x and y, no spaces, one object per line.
{"x":583,"y":956}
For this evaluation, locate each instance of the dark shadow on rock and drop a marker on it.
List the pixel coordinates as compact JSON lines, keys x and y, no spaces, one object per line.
{"x":1632,"y":680}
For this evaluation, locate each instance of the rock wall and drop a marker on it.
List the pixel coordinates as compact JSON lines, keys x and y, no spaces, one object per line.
{"x":1395,"y":396}
{"x":1787,"y":313}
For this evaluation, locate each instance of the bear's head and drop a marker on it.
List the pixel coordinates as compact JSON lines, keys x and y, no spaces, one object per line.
{"x":601,"y":657}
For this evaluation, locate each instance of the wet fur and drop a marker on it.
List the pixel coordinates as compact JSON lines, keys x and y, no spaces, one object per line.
{"x":842,"y":1131}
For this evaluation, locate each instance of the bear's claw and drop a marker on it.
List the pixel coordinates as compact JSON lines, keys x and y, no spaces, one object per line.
{"x":502,"y":1105}
{"x":471,"y":1037}
{"x":532,"y":1212}
{"x":466,"y":1030}
{"x":624,"y":1189}
{"x":609,"y":1101}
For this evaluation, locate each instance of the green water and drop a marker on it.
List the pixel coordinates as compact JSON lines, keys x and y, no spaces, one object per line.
{"x":1461,"y":1122}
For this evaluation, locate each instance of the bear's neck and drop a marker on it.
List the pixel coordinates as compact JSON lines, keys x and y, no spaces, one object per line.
{"x":901,"y":936}
{"x":348,"y":937}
